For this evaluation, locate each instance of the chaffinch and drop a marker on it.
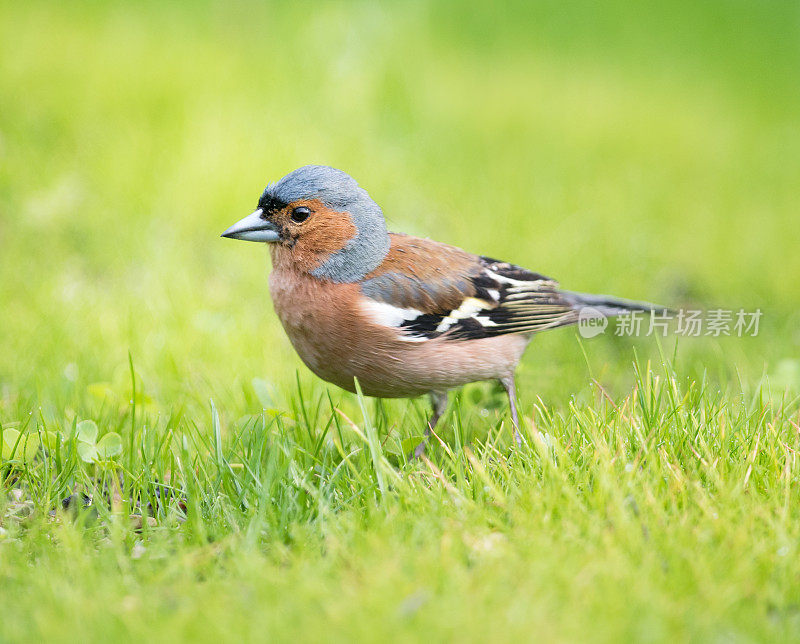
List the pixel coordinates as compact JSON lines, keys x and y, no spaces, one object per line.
{"x":406,"y":316}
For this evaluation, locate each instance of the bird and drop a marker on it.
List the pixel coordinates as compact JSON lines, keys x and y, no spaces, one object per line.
{"x":403,"y":316}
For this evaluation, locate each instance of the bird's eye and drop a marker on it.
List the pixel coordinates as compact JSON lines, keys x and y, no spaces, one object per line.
{"x":300,"y":214}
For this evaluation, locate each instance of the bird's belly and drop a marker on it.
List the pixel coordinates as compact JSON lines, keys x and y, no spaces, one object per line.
{"x":400,"y":369}
{"x":338,"y":345}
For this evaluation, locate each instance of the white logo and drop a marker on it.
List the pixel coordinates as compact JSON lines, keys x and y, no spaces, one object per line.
{"x":591,"y":322}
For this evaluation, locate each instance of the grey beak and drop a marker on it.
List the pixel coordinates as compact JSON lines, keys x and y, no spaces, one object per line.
{"x":253,"y":228}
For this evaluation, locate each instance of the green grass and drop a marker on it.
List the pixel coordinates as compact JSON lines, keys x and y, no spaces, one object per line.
{"x":651,"y":152}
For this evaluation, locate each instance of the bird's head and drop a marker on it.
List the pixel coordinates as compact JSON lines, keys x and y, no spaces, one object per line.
{"x":321,"y":221}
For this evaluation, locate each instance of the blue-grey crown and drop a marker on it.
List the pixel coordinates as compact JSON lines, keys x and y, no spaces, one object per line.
{"x":340,"y":192}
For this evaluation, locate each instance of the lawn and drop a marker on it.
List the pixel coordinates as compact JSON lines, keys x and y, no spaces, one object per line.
{"x":171,"y":471}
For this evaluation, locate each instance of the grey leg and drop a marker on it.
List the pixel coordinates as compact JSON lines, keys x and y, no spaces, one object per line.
{"x":511,"y":390}
{"x":439,"y":404}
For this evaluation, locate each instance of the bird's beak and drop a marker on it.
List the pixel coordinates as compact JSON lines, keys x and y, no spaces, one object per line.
{"x":253,"y":228}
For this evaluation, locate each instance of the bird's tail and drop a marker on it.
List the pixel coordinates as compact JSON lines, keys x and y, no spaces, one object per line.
{"x":609,"y":306}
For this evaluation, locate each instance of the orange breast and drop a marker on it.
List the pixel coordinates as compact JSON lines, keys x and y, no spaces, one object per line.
{"x":339,"y":342}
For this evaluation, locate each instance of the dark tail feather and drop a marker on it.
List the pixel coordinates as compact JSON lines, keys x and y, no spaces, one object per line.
{"x":609,"y":306}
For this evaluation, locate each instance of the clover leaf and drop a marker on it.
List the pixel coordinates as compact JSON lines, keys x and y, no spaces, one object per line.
{"x":18,"y":447}
{"x":90,"y":449}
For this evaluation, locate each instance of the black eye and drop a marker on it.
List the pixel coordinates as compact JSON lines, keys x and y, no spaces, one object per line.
{"x":300,"y":214}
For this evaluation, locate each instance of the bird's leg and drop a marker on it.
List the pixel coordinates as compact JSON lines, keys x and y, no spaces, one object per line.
{"x":511,"y":390}
{"x":439,"y":404}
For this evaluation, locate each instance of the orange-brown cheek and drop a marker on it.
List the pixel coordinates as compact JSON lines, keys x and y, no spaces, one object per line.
{"x":324,"y":234}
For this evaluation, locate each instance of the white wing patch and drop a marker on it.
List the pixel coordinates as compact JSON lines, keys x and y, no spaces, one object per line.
{"x":469,"y":307}
{"x":391,"y":316}
{"x":395,"y":316}
{"x":386,"y":314}
{"x":502,"y":279}
{"x":485,"y":321}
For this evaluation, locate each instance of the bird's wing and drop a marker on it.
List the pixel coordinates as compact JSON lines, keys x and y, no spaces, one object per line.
{"x":427,"y":289}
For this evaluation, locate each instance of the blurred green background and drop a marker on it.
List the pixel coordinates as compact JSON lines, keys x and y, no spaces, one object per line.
{"x":648,"y":150}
